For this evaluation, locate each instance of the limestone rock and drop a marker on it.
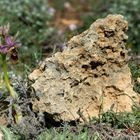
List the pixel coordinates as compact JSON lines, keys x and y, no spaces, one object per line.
{"x":90,"y":75}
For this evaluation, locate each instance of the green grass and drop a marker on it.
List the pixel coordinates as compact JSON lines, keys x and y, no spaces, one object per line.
{"x":135,"y":71}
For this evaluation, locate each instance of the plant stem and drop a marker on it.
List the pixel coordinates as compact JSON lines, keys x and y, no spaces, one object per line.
{"x":6,"y":78}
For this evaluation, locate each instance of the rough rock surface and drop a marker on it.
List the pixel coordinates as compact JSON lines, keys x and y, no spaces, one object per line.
{"x":89,"y":76}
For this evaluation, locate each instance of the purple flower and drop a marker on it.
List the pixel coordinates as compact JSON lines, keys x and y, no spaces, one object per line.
{"x":3,"y":49}
{"x":10,"y":43}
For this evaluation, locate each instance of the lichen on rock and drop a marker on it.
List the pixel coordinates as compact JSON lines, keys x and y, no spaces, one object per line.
{"x":91,"y":73}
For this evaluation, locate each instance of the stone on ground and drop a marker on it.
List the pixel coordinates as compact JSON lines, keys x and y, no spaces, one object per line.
{"x":90,"y":76}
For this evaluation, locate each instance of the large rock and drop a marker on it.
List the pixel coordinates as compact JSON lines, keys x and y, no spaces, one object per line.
{"x":91,"y":74}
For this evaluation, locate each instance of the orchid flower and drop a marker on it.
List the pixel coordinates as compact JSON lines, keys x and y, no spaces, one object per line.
{"x":8,"y":45}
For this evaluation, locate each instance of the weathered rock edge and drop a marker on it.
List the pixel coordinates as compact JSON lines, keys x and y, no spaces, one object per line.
{"x":89,"y":76}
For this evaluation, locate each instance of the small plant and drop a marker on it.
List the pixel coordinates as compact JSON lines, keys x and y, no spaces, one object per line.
{"x":8,"y":135}
{"x":122,"y":120}
{"x":8,"y":46}
{"x":135,"y":70}
{"x":53,"y":134}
